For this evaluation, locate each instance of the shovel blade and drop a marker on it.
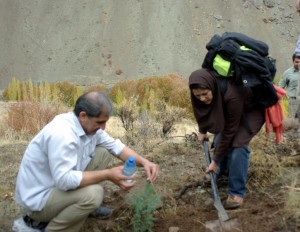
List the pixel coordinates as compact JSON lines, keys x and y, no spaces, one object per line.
{"x":219,"y":226}
{"x":223,"y":216}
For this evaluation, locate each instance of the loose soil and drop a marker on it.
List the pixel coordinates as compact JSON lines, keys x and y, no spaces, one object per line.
{"x":271,"y":203}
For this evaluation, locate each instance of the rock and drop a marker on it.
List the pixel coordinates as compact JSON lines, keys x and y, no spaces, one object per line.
{"x":269,"y":3}
{"x":258,"y":3}
{"x":173,"y":229}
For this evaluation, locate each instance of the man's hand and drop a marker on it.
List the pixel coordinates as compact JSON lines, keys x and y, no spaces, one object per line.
{"x":152,"y":170}
{"x":117,"y":177}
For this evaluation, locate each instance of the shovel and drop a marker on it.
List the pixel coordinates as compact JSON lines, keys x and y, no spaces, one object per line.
{"x":223,"y":216}
{"x":224,"y":223}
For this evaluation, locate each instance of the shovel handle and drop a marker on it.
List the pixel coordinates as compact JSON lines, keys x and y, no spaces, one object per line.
{"x":206,"y":150}
{"x":211,"y":173}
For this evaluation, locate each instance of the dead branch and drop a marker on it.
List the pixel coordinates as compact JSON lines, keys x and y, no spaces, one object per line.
{"x":186,"y":187}
{"x":291,"y":188}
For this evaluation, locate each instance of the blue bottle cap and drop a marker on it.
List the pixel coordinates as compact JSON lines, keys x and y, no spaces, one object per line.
{"x":131,"y":159}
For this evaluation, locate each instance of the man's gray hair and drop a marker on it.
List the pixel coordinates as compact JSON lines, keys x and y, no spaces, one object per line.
{"x":94,"y":104}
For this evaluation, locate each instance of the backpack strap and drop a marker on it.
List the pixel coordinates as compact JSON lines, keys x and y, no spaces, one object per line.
{"x":222,"y":85}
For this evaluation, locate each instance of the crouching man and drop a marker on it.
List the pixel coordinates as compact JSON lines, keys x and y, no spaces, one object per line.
{"x":59,"y":180}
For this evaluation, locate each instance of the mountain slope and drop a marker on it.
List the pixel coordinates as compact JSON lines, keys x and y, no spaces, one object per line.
{"x":104,"y":41}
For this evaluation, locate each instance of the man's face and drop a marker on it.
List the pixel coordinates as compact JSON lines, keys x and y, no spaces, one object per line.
{"x":92,"y":124}
{"x":297,"y":63}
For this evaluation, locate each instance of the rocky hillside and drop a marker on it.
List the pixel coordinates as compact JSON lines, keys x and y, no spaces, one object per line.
{"x":103,"y":41}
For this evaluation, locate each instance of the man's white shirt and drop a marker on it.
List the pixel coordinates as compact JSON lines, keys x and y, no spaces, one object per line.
{"x":56,"y":158}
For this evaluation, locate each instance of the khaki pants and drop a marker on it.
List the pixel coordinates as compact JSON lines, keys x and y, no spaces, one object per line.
{"x":292,"y":107}
{"x":67,"y":210}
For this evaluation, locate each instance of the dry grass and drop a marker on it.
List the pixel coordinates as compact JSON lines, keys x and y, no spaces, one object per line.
{"x":290,"y":124}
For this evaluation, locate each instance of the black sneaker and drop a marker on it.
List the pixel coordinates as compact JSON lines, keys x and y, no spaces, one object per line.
{"x":103,"y":212}
{"x":35,"y":224}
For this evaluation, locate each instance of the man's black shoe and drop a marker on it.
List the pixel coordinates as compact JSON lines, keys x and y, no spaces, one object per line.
{"x":102,"y":212}
{"x":35,"y":224}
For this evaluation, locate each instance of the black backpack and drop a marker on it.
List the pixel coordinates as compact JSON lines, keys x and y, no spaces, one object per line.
{"x":246,"y":61}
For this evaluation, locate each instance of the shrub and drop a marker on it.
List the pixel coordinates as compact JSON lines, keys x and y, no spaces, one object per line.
{"x":144,"y":202}
{"x":68,"y":93}
{"x":265,"y":165}
{"x":171,"y":89}
{"x":285,"y":106}
{"x":128,"y":88}
{"x":127,"y":112}
{"x":11,"y":93}
{"x":168,"y":116}
{"x":96,"y":88}
{"x":29,"y":117}
{"x":64,"y":92}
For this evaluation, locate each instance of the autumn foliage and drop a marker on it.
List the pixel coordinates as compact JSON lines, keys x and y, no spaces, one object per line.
{"x":171,"y":89}
{"x":26,"y":118}
{"x":64,"y":92}
{"x":164,"y":99}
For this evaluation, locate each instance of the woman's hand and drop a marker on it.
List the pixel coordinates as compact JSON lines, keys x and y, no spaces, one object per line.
{"x":213,"y":167}
{"x":202,"y":137}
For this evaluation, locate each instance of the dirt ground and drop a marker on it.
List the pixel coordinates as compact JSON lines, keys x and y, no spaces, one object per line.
{"x":186,"y":196}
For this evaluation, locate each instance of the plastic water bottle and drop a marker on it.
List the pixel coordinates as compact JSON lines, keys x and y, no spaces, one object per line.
{"x":129,"y":168}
